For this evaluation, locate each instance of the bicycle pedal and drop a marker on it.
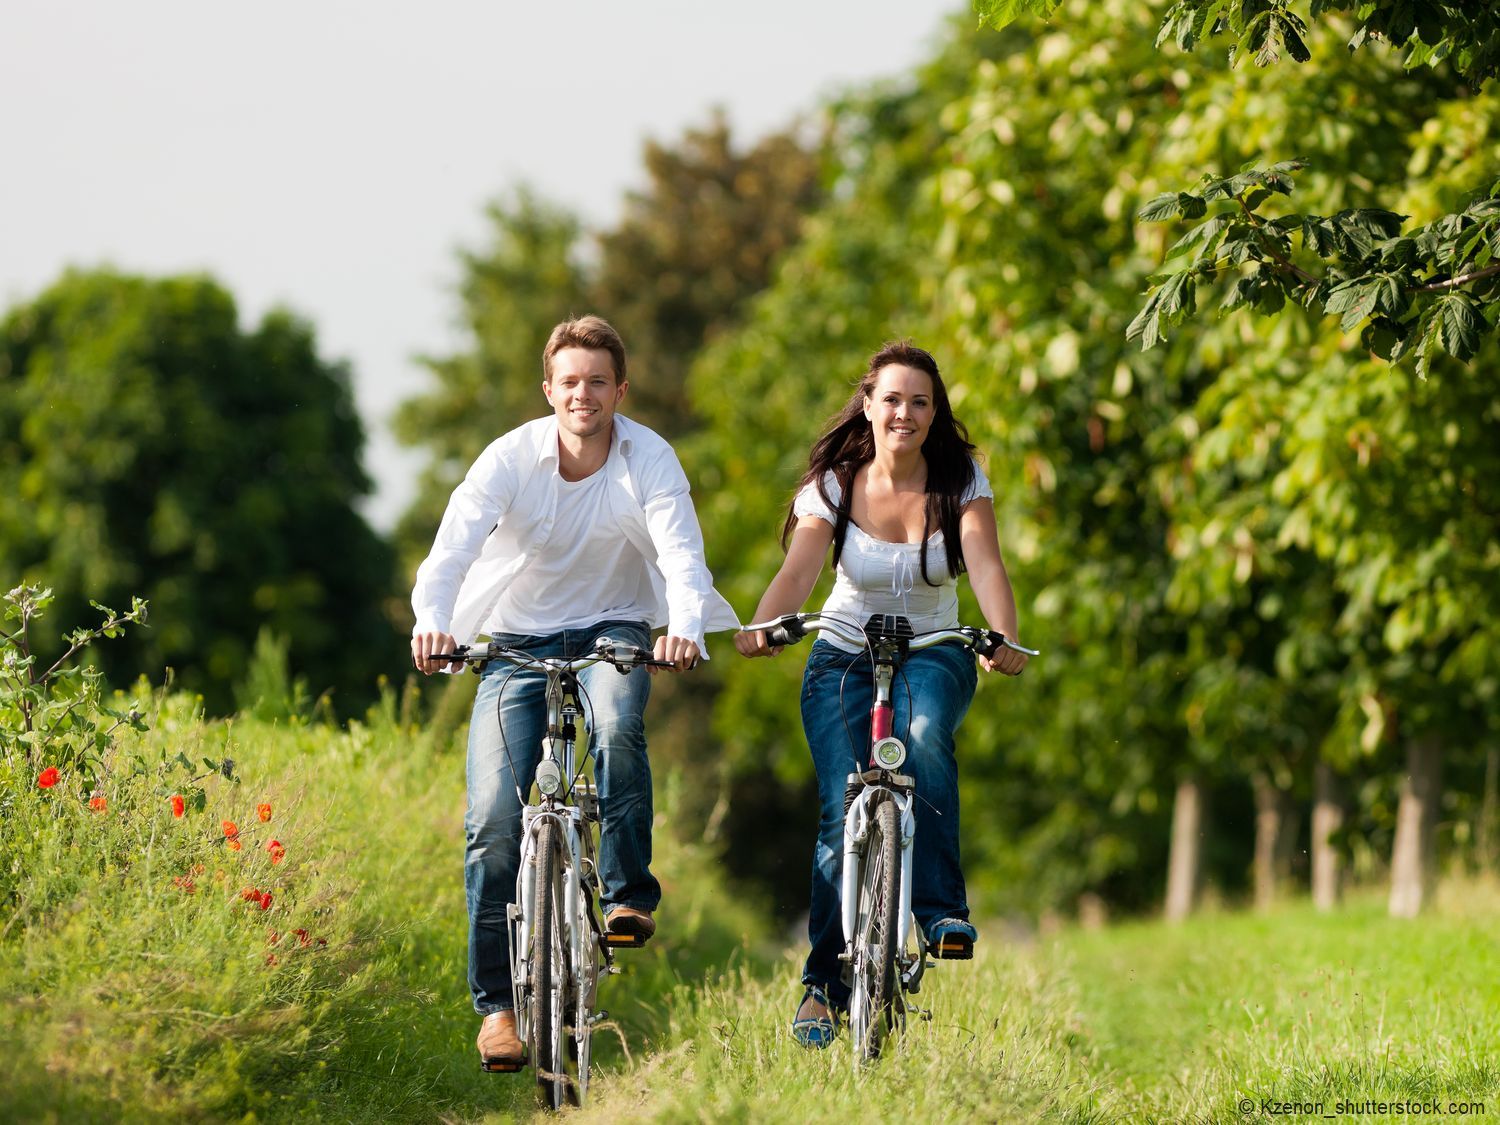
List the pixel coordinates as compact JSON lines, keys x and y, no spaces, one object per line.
{"x":959,"y":950}
{"x":623,"y":941}
{"x":495,"y":1066}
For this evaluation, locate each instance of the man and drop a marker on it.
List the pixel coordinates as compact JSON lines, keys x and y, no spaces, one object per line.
{"x":566,"y":529}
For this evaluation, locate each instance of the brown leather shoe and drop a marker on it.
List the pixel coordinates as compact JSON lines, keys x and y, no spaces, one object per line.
{"x":627,"y":927}
{"x":500,"y":1048}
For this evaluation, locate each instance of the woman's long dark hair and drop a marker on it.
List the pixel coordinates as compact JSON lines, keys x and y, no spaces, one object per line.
{"x":849,"y":442}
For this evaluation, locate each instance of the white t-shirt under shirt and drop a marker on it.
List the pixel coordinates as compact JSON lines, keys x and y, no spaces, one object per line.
{"x":877,"y":576}
{"x":589,"y":571}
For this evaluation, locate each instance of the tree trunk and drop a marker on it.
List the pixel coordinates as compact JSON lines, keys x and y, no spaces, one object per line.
{"x":1275,"y":839}
{"x":1327,"y":819}
{"x":1185,"y":864}
{"x":1413,"y":859}
{"x":1485,"y":842}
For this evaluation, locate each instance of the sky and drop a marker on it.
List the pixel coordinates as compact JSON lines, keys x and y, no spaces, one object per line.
{"x":332,"y":156}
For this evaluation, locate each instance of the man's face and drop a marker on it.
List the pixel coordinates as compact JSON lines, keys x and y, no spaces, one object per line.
{"x":583,"y":391}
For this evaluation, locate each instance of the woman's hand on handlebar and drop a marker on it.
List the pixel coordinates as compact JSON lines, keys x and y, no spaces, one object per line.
{"x":1006,"y":660}
{"x":678,"y":651}
{"x":753,"y":643}
{"x":424,"y":645}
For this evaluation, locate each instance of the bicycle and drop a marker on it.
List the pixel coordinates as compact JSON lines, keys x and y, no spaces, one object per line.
{"x":884,"y":961}
{"x":558,"y":945}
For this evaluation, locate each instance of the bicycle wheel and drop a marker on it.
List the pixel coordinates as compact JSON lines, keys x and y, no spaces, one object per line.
{"x":872,"y":1000}
{"x":585,"y":999}
{"x":549,"y":971}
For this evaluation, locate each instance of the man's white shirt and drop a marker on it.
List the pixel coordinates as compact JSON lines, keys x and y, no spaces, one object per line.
{"x":521,"y":550}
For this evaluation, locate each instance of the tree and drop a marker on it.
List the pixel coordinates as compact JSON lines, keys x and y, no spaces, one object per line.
{"x":694,"y":246}
{"x":1418,"y":292}
{"x":150,"y":447}
{"x":1348,"y":451}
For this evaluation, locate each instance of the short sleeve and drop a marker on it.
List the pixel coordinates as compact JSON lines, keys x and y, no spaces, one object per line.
{"x":979,"y":486}
{"x":809,"y":500}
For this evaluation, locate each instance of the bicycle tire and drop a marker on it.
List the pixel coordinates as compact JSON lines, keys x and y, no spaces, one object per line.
{"x":549,"y":973}
{"x":872,"y":1002}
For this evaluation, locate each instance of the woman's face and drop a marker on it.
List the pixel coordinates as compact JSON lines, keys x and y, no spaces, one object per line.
{"x":900,"y":408}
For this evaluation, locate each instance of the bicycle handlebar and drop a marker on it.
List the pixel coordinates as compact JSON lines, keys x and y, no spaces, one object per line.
{"x":623,"y":657}
{"x":790,"y":628}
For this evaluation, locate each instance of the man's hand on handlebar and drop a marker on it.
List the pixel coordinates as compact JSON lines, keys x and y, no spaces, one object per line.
{"x":677,"y":651}
{"x":425,"y":645}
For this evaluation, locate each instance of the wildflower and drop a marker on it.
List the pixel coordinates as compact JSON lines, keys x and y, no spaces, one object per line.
{"x":276,"y":849}
{"x":230,"y":830}
{"x":220,"y":875}
{"x":234,"y":845}
{"x":265,"y":901}
{"x":272,"y":937}
{"x":179,"y":806}
{"x":271,"y":960}
{"x":303,"y":937}
{"x":47,"y":778}
{"x":263,"y":811}
{"x":184,"y":884}
{"x":99,"y":802}
{"x":196,"y":869}
{"x":250,"y":893}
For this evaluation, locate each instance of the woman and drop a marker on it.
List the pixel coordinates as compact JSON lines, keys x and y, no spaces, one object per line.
{"x":894,"y":488}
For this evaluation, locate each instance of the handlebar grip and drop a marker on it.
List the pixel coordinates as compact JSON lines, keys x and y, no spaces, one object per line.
{"x":788,"y":630}
{"x":988,"y":642}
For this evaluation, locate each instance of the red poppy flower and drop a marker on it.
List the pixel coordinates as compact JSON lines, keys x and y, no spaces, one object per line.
{"x":276,"y":849}
{"x":184,"y":883}
{"x":264,"y":812}
{"x":47,"y":778}
{"x":234,"y":845}
{"x":230,"y":831}
{"x":303,"y":937}
{"x":179,"y":806}
{"x":265,"y":901}
{"x":98,"y":802}
{"x":250,"y":893}
{"x":271,"y":960}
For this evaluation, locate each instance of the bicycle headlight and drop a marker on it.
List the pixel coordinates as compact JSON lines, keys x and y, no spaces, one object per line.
{"x":889,"y":753}
{"x":549,"y":779}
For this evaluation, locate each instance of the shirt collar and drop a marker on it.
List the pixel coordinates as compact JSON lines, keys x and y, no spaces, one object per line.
{"x":619,"y":442}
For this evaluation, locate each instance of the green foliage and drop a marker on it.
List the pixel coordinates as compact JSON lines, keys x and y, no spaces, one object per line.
{"x":148,"y":444}
{"x":1421,"y":292}
{"x":53,"y":715}
{"x":1000,"y":13}
{"x":1462,"y":34}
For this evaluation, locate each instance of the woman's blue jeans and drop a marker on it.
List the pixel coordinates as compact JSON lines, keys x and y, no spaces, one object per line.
{"x":931,"y":693}
{"x":505,"y":743}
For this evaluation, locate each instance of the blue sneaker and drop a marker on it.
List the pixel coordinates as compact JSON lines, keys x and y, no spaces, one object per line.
{"x":951,"y":939}
{"x":815,"y":1031}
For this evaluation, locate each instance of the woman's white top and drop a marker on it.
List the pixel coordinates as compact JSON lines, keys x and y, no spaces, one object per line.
{"x":877,"y":576}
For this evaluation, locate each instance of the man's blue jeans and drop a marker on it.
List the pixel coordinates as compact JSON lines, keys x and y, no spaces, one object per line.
{"x":931,"y":693}
{"x":503,"y":756}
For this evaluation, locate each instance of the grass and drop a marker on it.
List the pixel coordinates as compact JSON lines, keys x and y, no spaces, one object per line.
{"x":125,"y":997}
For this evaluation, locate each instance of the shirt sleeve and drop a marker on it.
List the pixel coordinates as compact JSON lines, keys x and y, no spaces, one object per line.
{"x":481,"y":498}
{"x":979,"y":486}
{"x":809,"y":500}
{"x":672,"y":524}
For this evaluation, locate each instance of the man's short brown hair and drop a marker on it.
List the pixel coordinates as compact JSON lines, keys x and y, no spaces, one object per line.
{"x":592,"y":332}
